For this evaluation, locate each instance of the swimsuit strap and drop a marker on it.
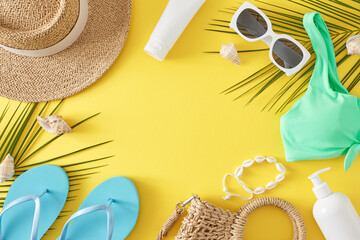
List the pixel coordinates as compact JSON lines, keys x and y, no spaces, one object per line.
{"x":325,"y":75}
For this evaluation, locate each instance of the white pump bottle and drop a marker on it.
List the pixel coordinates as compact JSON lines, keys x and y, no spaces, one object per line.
{"x":334,"y":212}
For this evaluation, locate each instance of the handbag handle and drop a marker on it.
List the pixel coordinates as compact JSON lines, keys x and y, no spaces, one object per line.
{"x":288,"y":208}
{"x":174,"y":217}
{"x":241,"y":217}
{"x":169,"y":223}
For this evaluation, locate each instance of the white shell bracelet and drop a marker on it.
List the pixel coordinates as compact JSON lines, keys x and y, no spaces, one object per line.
{"x":246,"y":164}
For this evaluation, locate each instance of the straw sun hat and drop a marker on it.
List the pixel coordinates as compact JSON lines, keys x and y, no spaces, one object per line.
{"x":51,"y":49}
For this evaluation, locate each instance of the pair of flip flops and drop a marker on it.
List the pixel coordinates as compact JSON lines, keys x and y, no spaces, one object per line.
{"x":37,"y":197}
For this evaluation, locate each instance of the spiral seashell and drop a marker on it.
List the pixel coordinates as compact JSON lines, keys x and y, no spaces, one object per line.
{"x":353,"y":45}
{"x":280,"y":177}
{"x":259,"y":159}
{"x":280,"y":167}
{"x":7,"y":168}
{"x":239,"y":171}
{"x":54,"y":124}
{"x":271,"y":185}
{"x":229,"y":52}
{"x":259,"y":190}
{"x":271,"y":160}
{"x":248,"y":163}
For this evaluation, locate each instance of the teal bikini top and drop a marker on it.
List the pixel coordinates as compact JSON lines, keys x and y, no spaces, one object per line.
{"x":325,"y":122}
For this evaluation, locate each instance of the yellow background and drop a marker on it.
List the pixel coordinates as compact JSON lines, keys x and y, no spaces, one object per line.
{"x":175,"y":135}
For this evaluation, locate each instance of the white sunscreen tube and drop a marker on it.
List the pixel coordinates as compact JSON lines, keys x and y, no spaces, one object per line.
{"x":177,"y":15}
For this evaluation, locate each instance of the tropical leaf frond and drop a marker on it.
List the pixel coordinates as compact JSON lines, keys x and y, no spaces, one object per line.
{"x":20,"y":135}
{"x":342,"y":18}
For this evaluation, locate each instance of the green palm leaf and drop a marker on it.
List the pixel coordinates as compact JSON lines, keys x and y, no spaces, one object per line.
{"x":21,"y":137}
{"x":342,"y":18}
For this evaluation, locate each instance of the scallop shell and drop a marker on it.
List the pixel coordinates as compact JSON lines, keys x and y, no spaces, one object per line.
{"x":280,"y":167}
{"x":259,"y":190}
{"x":229,"y":52}
{"x":248,"y":163}
{"x":54,"y":124}
{"x":259,"y":159}
{"x":280,"y":177}
{"x":271,"y":160}
{"x":271,"y":185}
{"x":7,"y":168}
{"x":353,"y":45}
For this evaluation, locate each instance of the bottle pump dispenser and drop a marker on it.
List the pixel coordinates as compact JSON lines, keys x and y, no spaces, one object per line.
{"x":321,"y":189}
{"x":334,"y":212}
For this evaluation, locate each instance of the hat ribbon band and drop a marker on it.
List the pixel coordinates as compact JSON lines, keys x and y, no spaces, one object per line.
{"x":64,"y":43}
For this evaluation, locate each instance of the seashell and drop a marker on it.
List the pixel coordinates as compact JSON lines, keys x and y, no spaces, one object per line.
{"x":259,"y":159}
{"x":248,"y":190}
{"x":271,"y":160}
{"x":353,"y":45}
{"x":229,"y":52}
{"x":259,"y":190}
{"x":239,"y":171}
{"x":248,"y":163}
{"x":54,"y":124}
{"x":240,"y":182}
{"x":7,"y":169}
{"x":280,"y":167}
{"x":280,"y":177}
{"x":271,"y":185}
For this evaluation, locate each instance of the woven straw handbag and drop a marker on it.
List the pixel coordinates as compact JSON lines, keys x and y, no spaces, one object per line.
{"x":205,"y":221}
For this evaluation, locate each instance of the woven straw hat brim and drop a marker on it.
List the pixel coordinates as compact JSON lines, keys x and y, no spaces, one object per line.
{"x":32,"y":79}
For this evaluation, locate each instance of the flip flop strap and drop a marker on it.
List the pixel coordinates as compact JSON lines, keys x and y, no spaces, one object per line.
{"x":36,"y":199}
{"x":91,"y":209}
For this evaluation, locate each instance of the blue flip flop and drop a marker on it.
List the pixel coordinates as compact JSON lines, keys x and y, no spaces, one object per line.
{"x":34,"y":201}
{"x":110,"y":211}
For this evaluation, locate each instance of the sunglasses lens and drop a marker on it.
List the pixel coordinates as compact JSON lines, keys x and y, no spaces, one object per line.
{"x":287,"y":54}
{"x":251,"y":24}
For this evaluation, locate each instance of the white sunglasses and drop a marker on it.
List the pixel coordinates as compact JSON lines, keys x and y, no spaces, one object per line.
{"x":285,"y":52}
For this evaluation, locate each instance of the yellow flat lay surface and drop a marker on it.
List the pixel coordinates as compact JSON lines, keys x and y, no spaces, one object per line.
{"x":175,"y":134}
